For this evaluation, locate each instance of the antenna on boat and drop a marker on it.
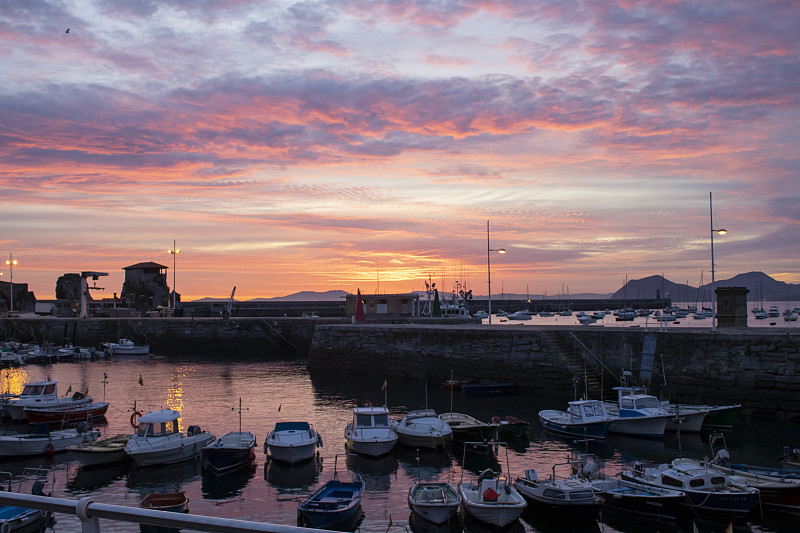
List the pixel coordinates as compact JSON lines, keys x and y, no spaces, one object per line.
{"x":240,"y":414}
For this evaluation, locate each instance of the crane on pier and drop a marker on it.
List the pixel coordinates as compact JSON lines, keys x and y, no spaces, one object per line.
{"x":85,"y":289}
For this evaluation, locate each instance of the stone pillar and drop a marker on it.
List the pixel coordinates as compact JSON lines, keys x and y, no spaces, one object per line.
{"x":731,"y":307}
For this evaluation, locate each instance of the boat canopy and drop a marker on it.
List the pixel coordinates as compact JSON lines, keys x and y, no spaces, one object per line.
{"x":157,"y":417}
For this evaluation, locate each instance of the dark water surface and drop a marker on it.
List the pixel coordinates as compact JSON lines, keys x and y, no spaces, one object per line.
{"x":207,"y":394}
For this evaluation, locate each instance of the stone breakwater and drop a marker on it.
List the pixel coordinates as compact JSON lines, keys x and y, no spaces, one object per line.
{"x":760,"y":370}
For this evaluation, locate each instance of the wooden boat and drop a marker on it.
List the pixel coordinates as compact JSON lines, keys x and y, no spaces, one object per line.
{"x":176,"y":502}
{"x":421,"y":428}
{"x":42,"y":441}
{"x":66,"y":413}
{"x":510,"y":426}
{"x":467,"y":428}
{"x":158,"y":440}
{"x":370,"y":433}
{"x":657,"y":503}
{"x":233,"y":450}
{"x":434,"y":501}
{"x":292,"y":442}
{"x":491,"y":499}
{"x":335,"y":505}
{"x":583,"y":418}
{"x":102,"y":451}
{"x":571,"y":496}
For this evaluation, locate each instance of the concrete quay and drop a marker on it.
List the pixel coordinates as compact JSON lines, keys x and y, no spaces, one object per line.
{"x":757,"y":367}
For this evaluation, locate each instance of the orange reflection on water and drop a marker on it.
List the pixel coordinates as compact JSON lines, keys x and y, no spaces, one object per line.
{"x":175,"y":393}
{"x":13,"y":380}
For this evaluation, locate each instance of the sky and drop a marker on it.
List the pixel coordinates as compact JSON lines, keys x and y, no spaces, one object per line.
{"x":341,"y":145}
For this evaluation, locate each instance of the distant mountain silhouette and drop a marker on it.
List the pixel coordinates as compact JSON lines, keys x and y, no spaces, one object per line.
{"x":306,"y":296}
{"x":761,"y":286}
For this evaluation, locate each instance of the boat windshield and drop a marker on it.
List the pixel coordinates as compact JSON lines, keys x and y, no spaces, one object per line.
{"x":38,"y":390}
{"x":158,"y":429}
{"x":647,"y":402}
{"x":372,"y":420}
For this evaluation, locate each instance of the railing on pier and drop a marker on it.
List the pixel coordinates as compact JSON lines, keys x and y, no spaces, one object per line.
{"x":90,"y":512}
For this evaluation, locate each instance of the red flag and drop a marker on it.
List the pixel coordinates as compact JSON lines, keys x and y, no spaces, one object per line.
{"x":383,"y":387}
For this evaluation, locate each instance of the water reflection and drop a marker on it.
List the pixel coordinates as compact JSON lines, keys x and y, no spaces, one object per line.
{"x":419,"y":524}
{"x":476,"y":458}
{"x":290,"y":477}
{"x":86,"y":480}
{"x":473,"y":525}
{"x":227,"y":485}
{"x":168,"y":478}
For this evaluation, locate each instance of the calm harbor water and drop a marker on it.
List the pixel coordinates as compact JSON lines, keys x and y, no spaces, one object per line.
{"x":207,"y":393}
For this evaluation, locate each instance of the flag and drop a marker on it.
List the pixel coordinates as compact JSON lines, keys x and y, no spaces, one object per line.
{"x":729,"y":529}
{"x":383,"y":387}
{"x":141,"y":381}
{"x":390,"y":522}
{"x":279,"y":407}
{"x":68,"y":390}
{"x":694,"y":528}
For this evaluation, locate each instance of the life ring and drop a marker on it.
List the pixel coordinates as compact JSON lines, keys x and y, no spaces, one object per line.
{"x":134,"y":416}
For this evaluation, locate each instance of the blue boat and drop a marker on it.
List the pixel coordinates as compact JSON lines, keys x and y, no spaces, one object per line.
{"x":583,"y":418}
{"x":336,"y":505}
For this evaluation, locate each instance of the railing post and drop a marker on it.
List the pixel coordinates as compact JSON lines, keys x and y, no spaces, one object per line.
{"x":88,"y":524}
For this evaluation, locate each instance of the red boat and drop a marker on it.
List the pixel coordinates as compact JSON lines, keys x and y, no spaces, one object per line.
{"x":65,"y":413}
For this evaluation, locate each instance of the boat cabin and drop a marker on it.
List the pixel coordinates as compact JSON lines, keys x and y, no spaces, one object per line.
{"x":587,"y":411}
{"x":159,"y":424}
{"x":693,"y":478}
{"x":370,"y":417}
{"x":39,"y":389}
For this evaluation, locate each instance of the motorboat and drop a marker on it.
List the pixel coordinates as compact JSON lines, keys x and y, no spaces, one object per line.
{"x":684,"y":418}
{"x":335,"y":505}
{"x":292,"y":442}
{"x":708,"y":491}
{"x":638,"y":414}
{"x":66,"y":413}
{"x":42,"y":441}
{"x":492,"y":499}
{"x":436,"y":502}
{"x":101,"y":451}
{"x":13,"y":518}
{"x":519,"y":315}
{"x":571,"y":496}
{"x":583,"y":418}
{"x":658,"y":503}
{"x":229,"y":452}
{"x":422,"y":428}
{"x":370,"y":432}
{"x":467,"y":428}
{"x":480,"y":314}
{"x":40,"y":394}
{"x":158,"y":440}
{"x":126,"y":347}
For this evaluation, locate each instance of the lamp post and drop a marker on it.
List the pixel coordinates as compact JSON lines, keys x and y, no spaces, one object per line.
{"x":11,"y":262}
{"x":713,"y":279}
{"x":174,"y":252}
{"x":489,"y":251}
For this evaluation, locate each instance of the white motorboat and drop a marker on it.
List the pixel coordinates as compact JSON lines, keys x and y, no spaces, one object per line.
{"x":100,"y":452}
{"x":158,"y":440}
{"x":481,"y":313}
{"x":370,"y":432}
{"x":292,"y":442}
{"x":422,"y":428}
{"x":492,"y":499}
{"x":126,"y":347}
{"x":519,"y":315}
{"x":39,"y":395}
{"x":436,"y":502}
{"x":42,"y":441}
{"x":571,"y":496}
{"x":685,"y":418}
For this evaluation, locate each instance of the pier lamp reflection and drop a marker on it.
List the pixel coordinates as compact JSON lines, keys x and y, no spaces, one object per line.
{"x":14,"y":380}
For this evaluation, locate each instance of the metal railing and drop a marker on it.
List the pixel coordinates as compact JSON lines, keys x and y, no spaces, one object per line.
{"x":90,"y":512}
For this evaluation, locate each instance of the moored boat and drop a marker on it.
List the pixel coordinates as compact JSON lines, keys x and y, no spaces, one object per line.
{"x":491,"y":499}
{"x":467,"y":428}
{"x":421,"y":428}
{"x":335,"y":505}
{"x":176,"y":502}
{"x":510,"y":426}
{"x":292,"y":442}
{"x":583,"y":418}
{"x":571,"y":496}
{"x":436,"y":502}
{"x":229,"y":452}
{"x":158,"y":440}
{"x":42,"y":441}
{"x":66,"y":413}
{"x":370,"y":433}
{"x":659,"y":503}
{"x":126,"y":347}
{"x":39,"y":395}
{"x":101,"y":451}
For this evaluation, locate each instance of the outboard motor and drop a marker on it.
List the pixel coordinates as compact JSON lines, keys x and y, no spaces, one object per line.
{"x":193,"y":430}
{"x":531,"y":475}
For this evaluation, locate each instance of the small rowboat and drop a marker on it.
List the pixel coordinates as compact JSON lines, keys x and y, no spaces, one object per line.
{"x":176,"y":502}
{"x":336,"y":505}
{"x":100,"y":452}
{"x":510,"y":426}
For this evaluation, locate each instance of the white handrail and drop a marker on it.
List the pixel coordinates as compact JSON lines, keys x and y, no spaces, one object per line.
{"x":89,"y":512}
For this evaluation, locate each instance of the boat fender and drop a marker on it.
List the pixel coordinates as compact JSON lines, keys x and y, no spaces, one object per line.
{"x":134,"y":419}
{"x":319,"y":440}
{"x":82,"y":427}
{"x":49,"y":449}
{"x":251,"y":455}
{"x":5,"y":527}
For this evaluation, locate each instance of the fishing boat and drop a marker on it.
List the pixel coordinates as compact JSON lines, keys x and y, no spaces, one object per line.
{"x":370,"y":433}
{"x":571,"y":496}
{"x":158,"y":440}
{"x":101,"y":451}
{"x":58,"y":414}
{"x":491,"y":499}
{"x":467,"y":428}
{"x":709,"y":493}
{"x":126,"y":347}
{"x":653,"y":502}
{"x":436,"y":502}
{"x":42,"y":441}
{"x":292,"y":442}
{"x":335,"y":505}
{"x":229,"y":452}
{"x":39,"y":394}
{"x":421,"y":428}
{"x":583,"y":418}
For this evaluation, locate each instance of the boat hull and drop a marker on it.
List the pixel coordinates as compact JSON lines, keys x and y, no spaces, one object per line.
{"x":292,"y":453}
{"x":166,"y":450}
{"x":593,"y":430}
{"x":105,"y":451}
{"x":435,"y":502}
{"x":34,"y":444}
{"x":66,"y":414}
{"x":431,"y":442}
{"x":634,"y":426}
{"x":336,"y":505}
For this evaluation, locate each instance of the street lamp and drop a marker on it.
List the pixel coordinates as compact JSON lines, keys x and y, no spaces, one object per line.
{"x":11,"y":262}
{"x":174,"y":252}
{"x":489,"y":250}
{"x":713,"y":280}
